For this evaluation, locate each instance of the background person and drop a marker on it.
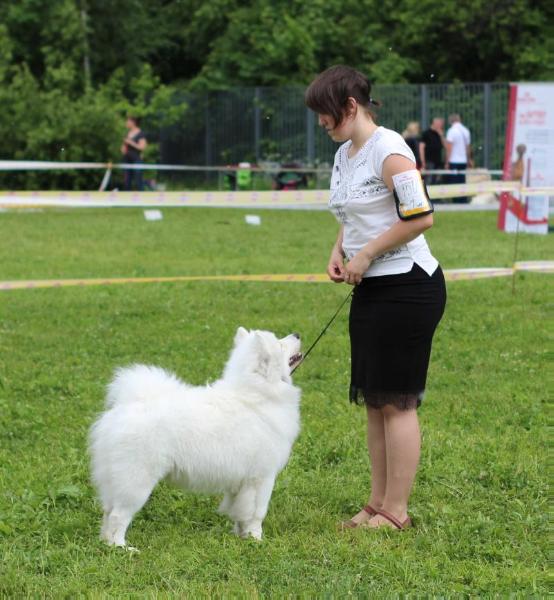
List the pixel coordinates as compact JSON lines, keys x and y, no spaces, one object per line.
{"x":132,"y":148}
{"x":400,"y":292}
{"x":518,"y":166}
{"x":458,"y":152}
{"x":431,"y":149}
{"x":411,"y":136}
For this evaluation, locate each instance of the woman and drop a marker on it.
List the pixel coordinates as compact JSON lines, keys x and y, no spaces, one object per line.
{"x":132,"y":148}
{"x":400,"y":292}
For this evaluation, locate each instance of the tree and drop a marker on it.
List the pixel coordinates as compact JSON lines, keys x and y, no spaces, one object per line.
{"x":277,"y":42}
{"x":71,"y":69}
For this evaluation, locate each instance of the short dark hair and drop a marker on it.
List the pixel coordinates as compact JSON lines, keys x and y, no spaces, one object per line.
{"x":329,"y":92}
{"x":135,"y":119}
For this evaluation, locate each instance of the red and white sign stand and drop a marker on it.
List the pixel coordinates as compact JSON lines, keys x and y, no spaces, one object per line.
{"x":529,"y":138}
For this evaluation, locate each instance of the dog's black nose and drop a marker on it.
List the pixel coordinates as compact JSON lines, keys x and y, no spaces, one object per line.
{"x":296,"y":335}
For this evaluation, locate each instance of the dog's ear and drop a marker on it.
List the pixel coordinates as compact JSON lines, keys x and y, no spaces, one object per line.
{"x":240,"y":335}
{"x":266,"y":364}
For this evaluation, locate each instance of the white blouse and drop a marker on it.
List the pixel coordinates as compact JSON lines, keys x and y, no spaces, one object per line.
{"x":361,"y":201}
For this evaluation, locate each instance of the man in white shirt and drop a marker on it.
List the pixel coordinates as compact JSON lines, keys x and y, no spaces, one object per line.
{"x":458,"y":151}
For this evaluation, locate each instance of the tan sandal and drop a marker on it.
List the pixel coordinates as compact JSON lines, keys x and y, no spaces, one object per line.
{"x":398,"y":524}
{"x":350,"y":524}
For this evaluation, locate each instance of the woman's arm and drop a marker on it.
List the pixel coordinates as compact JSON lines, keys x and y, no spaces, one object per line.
{"x":400,"y":233}
{"x":338,"y":243}
{"x":140,"y":145}
{"x":335,"y":268}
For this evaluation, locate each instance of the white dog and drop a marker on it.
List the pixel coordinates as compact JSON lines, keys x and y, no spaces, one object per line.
{"x":233,"y":436}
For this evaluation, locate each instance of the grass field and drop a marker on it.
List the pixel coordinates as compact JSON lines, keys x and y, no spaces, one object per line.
{"x":480,"y":500}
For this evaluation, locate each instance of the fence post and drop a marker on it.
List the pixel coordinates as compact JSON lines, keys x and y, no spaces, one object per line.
{"x":487,"y":125}
{"x":207,"y":131}
{"x":208,"y":149}
{"x":257,"y":123}
{"x":310,"y":136}
{"x":424,"y":93}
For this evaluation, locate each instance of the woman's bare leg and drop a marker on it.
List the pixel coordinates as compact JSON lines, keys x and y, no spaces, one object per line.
{"x":403,"y":446}
{"x":377,"y":455}
{"x":376,"y":445}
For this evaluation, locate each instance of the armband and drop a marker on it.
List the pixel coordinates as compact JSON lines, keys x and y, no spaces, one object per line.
{"x":410,"y":195}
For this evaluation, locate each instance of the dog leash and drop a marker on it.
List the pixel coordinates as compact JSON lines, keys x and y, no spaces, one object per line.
{"x":305,"y":354}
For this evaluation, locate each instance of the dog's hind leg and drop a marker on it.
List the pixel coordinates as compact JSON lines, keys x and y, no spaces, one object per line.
{"x":252,"y":526}
{"x":125,"y":506}
{"x":117,"y":523}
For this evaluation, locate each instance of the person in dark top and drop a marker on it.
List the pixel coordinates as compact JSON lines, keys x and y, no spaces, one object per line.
{"x":132,"y":148}
{"x":431,"y":149}
{"x":411,"y":137}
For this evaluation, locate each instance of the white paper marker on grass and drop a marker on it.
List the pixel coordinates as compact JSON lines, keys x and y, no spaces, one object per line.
{"x":253,"y":219}
{"x":153,"y":215}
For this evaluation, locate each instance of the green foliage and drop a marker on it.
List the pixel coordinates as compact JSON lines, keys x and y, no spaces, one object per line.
{"x":50,"y":111}
{"x":480,"y":501}
{"x":282,"y":42}
{"x":47,"y":123}
{"x":477,"y":40}
{"x":266,"y":42}
{"x":279,"y":43}
{"x":70,"y":70}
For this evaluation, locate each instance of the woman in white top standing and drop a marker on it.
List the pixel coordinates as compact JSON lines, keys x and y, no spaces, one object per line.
{"x":399,"y":295}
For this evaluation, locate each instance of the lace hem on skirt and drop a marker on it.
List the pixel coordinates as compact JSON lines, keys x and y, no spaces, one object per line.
{"x":401,"y":400}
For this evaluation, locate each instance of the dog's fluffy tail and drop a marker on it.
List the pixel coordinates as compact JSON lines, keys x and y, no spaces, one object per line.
{"x":141,"y":383}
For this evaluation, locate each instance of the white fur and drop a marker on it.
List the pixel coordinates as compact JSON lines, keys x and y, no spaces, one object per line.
{"x":234,"y":436}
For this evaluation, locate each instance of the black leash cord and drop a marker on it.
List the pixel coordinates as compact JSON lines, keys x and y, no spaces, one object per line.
{"x":324,"y":330}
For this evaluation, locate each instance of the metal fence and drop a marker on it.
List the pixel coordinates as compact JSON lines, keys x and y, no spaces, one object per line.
{"x":273,"y":124}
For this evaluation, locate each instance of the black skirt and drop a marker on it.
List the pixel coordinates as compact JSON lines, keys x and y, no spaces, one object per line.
{"x":392,"y":322}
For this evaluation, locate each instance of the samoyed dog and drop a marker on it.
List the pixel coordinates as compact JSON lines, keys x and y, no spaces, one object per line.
{"x":232,"y":437}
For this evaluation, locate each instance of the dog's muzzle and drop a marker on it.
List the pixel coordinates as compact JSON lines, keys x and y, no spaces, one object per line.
{"x":295,"y":359}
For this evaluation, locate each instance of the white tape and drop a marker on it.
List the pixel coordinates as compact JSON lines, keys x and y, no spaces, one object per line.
{"x":44,"y":165}
{"x":301,"y":199}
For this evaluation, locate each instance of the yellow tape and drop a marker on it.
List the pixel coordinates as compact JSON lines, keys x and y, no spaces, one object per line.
{"x":49,"y":283}
{"x":450,"y":275}
{"x":250,"y":199}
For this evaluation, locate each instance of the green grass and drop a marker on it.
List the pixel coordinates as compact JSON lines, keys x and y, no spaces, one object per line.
{"x":480,"y":500}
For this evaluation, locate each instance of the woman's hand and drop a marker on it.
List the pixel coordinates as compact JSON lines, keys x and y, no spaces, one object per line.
{"x":354,"y":270}
{"x":335,"y":268}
